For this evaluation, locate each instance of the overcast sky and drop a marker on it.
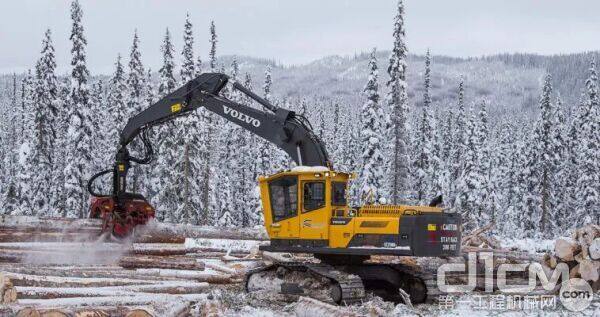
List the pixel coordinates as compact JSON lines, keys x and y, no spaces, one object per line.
{"x":295,"y":32}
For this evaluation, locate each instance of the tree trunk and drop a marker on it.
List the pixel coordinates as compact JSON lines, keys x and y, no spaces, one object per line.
{"x":160,"y":263}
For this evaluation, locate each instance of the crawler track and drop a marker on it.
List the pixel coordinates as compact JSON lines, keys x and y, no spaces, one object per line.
{"x":347,"y":284}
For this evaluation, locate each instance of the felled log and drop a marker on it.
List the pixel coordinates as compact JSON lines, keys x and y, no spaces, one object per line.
{"x":594,"y":249}
{"x":566,"y":249}
{"x":158,"y":251}
{"x":574,"y":271}
{"x":98,"y":311}
{"x":181,"y":309}
{"x":276,"y":257}
{"x":8,"y":293}
{"x":198,"y":276}
{"x":28,"y":312}
{"x":154,"y":231}
{"x":140,"y":262}
{"x":309,"y":307}
{"x":221,"y":268}
{"x":475,"y":233}
{"x":585,"y":236}
{"x":159,"y":238}
{"x":141,"y":299}
{"x":62,"y":281}
{"x":206,"y":232}
{"x":138,"y":312}
{"x":30,"y":236}
{"x":108,"y":272}
{"x":515,"y":256}
{"x":88,"y":312}
{"x":173,"y":288}
{"x":550,"y":260}
{"x":589,"y":270}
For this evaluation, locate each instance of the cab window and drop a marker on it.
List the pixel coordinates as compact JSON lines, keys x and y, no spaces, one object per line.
{"x":283,"y":193}
{"x":338,"y":194}
{"x":314,"y":196}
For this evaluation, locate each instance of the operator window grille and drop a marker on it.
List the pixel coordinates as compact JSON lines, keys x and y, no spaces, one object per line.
{"x":283,"y":193}
{"x":314,"y":196}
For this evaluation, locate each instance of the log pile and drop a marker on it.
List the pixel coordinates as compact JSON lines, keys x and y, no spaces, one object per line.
{"x":581,"y":252}
{"x":58,"y":267}
{"x":478,"y":239}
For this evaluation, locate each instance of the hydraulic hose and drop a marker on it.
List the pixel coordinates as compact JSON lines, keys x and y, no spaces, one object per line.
{"x":91,"y":182}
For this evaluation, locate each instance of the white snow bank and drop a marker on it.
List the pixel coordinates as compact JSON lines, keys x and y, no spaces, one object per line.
{"x":314,"y":169}
{"x":528,"y":244}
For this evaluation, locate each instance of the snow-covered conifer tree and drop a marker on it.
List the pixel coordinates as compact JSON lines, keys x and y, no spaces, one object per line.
{"x":460,"y":138}
{"x":426,"y":92}
{"x":166,"y":72}
{"x":397,"y":102}
{"x":213,"y":47}
{"x":587,"y":186}
{"x":425,"y":160}
{"x":27,"y":155}
{"x":116,"y":102}
{"x":187,"y":64}
{"x":135,"y":101}
{"x":45,"y":123}
{"x":372,"y":164}
{"x":80,"y":125}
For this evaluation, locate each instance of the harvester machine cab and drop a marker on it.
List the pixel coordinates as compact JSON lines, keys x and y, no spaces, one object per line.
{"x":306,"y":211}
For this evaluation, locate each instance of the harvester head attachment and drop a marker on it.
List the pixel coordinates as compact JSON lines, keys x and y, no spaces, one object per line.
{"x":121,"y":217}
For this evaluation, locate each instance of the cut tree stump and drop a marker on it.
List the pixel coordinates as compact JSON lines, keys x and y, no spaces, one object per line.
{"x":566,"y":249}
{"x":141,"y":262}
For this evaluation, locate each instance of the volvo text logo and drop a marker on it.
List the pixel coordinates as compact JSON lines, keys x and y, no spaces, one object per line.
{"x":241,"y":116}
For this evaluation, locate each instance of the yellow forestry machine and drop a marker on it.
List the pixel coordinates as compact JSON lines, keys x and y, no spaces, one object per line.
{"x":305,"y":208}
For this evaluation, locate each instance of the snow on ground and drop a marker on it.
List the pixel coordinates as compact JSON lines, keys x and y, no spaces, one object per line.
{"x":528,"y":244}
{"x":226,"y":244}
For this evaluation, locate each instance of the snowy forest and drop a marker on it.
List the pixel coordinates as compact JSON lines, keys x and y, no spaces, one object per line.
{"x":512,"y":139}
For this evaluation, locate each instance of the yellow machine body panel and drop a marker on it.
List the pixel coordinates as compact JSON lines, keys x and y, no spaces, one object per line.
{"x":306,"y":210}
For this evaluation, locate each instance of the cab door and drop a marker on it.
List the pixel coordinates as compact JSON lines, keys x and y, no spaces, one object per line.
{"x":283,"y":199}
{"x":314,"y":212}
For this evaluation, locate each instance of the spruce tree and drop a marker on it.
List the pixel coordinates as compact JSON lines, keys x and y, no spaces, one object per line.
{"x":547,"y":151}
{"x":27,"y":155}
{"x":187,"y":64}
{"x":371,"y":120}
{"x":206,"y":150}
{"x":46,"y":121}
{"x":426,"y":92}
{"x":80,"y":125}
{"x":425,"y":160}
{"x":469,"y":184}
{"x":460,"y":136}
{"x":397,"y":102}
{"x":213,"y":47}
{"x":166,"y":72}
{"x":117,"y":91}
{"x":135,"y":101}
{"x":588,"y":181}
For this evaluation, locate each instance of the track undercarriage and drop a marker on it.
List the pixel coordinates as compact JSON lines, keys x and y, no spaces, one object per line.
{"x":344,"y":280}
